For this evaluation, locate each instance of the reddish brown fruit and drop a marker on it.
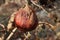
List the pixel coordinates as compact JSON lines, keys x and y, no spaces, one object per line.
{"x":25,"y":19}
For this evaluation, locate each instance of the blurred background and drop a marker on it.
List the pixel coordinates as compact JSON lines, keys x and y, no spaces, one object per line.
{"x":42,"y":32}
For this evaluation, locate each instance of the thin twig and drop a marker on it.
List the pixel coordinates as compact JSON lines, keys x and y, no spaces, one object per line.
{"x":2,"y":31}
{"x":2,"y":27}
{"x":27,"y":36}
{"x":11,"y":33}
{"x":39,"y":6}
{"x":9,"y":26}
{"x":50,"y":26}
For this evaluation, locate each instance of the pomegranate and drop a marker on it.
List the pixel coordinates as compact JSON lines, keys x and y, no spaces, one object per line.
{"x":25,"y":18}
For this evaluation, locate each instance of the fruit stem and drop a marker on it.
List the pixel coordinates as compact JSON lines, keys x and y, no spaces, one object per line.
{"x":26,"y":2}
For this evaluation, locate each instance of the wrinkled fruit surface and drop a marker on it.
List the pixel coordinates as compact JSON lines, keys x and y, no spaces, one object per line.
{"x":25,"y":20}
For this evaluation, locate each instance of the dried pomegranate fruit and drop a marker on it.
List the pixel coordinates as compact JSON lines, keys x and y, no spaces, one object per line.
{"x":25,"y":18}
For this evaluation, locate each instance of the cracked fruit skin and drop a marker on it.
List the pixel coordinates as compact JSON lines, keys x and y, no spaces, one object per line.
{"x":25,"y":19}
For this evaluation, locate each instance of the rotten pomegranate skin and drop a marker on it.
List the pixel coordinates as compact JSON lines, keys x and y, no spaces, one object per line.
{"x":25,"y":19}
